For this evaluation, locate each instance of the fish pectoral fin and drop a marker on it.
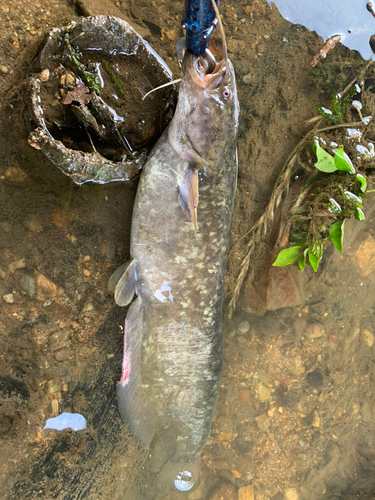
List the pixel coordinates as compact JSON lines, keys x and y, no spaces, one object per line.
{"x":125,"y":288}
{"x":116,"y":275}
{"x":189,"y":195}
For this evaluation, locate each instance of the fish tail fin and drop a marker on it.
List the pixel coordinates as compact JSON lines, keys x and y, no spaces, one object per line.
{"x":123,"y":283}
{"x":181,"y":473}
{"x":133,"y":405}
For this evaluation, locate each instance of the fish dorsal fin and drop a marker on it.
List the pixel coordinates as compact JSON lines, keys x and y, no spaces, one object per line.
{"x":188,"y":196}
{"x":125,"y":287}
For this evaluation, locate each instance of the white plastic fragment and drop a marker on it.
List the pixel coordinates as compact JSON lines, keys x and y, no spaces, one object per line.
{"x":74,"y":421}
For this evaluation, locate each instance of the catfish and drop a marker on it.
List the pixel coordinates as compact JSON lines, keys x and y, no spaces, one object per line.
{"x":180,"y":236}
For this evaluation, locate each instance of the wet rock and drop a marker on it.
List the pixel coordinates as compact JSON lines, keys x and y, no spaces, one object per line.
{"x":15,"y":174}
{"x":367,"y":337}
{"x":236,"y":46}
{"x":87,"y":309}
{"x":264,"y":393}
{"x":315,"y":419}
{"x":315,"y":379}
{"x":246,"y":493}
{"x":247,"y":79}
{"x":17,"y":264}
{"x":33,"y":225}
{"x":291,"y":494}
{"x":225,"y":491}
{"x":62,"y":355}
{"x":28,"y":284}
{"x":314,"y":331}
{"x":58,"y":219}
{"x":243,"y":327}
{"x":245,"y":465}
{"x":362,"y":254}
{"x":244,"y":395}
{"x":46,"y":288}
{"x":59,"y":339}
{"x":8,"y":298}
{"x":263,"y":422}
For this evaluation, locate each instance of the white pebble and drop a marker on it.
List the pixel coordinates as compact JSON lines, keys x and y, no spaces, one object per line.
{"x":8,"y":298}
{"x":243,"y":327}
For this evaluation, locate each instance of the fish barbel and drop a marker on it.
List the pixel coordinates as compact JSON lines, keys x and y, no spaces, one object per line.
{"x":179,"y":241}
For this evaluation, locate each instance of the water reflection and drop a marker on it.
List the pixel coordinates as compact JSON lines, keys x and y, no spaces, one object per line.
{"x":352,"y":20}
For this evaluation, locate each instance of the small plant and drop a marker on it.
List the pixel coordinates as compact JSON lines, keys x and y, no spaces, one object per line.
{"x":310,"y":245}
{"x":339,"y":106}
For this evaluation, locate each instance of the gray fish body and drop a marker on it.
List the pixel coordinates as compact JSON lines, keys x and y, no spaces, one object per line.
{"x":173,"y":331}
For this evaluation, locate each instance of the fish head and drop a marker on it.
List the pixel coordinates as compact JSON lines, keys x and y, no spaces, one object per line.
{"x":207,"y":112}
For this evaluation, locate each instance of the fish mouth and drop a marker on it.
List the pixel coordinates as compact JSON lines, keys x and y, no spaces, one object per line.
{"x":205,"y":71}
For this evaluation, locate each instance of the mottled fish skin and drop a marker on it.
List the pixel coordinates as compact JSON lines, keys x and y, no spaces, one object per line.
{"x":173,"y":338}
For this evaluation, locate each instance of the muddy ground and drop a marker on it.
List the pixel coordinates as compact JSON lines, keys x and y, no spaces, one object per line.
{"x":295,"y":416}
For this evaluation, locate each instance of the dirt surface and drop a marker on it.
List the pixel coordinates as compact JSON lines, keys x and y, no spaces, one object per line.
{"x":295,"y":416}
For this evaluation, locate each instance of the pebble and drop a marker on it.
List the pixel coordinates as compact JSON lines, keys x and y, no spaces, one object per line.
{"x":15,"y":174}
{"x":59,"y":339}
{"x":46,"y":288}
{"x":244,"y":465}
{"x":8,"y":298}
{"x":58,"y":219}
{"x":62,"y":355}
{"x":314,"y":331}
{"x":236,"y":46}
{"x":55,"y":406}
{"x":247,"y":79}
{"x":34,"y":226}
{"x":4,"y":69}
{"x":246,"y":493}
{"x":368,"y":337}
{"x":363,"y":254}
{"x":264,"y":392}
{"x":243,"y":327}
{"x":3,"y":274}
{"x":291,"y":494}
{"x":315,"y":419}
{"x":244,"y":395}
{"x":17,"y":264}
{"x":28,"y":284}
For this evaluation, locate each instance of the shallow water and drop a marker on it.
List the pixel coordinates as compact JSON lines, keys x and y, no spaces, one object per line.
{"x":295,"y":415}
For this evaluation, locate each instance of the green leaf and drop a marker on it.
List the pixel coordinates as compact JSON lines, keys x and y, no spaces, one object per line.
{"x":314,"y":261}
{"x":352,"y":198}
{"x":302,"y":260}
{"x":333,"y":206}
{"x":287,"y":256}
{"x":343,"y":162}
{"x":336,"y":233}
{"x":327,"y":116}
{"x":336,"y":104}
{"x":362,"y":180}
{"x":325,"y":161}
{"x":358,"y":214}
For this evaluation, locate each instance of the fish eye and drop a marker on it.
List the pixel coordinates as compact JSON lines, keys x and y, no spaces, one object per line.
{"x":227,"y":93}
